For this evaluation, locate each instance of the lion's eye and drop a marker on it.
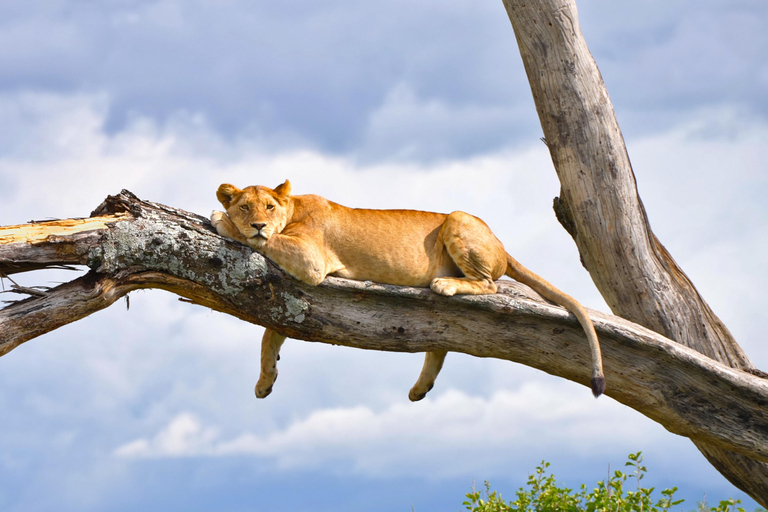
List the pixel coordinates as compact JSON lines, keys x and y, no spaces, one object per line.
{"x":244,"y":207}
{"x":270,"y":207}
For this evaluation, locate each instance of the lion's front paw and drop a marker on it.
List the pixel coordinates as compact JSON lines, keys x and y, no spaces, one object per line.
{"x":218,"y":218}
{"x":443,"y":286}
{"x":224,"y":227}
{"x":264,"y":386}
{"x":416,"y":394}
{"x":263,"y":393}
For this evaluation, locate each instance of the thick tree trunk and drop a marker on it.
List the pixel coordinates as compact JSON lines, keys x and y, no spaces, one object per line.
{"x":600,"y":207}
{"x":131,"y":244}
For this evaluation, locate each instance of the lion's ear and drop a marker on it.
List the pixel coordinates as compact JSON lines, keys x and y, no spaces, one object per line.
{"x":226,"y":194}
{"x":284,"y":189}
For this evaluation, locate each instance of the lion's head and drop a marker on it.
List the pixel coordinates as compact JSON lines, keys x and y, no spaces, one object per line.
{"x":257,"y":212}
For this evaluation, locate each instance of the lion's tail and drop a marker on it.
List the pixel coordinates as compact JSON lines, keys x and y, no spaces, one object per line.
{"x":519,"y":273}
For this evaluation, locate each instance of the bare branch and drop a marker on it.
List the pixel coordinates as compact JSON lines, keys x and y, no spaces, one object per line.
{"x":153,"y":246}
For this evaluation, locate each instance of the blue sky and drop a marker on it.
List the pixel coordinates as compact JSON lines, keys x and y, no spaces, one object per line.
{"x":369,"y":104}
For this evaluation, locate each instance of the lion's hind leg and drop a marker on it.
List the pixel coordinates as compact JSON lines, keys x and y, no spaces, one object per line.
{"x":270,"y":353}
{"x":481,"y":258}
{"x":476,"y":251}
{"x":433,"y":362}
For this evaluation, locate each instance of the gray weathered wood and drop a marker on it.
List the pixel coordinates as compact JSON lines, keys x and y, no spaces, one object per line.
{"x":146,"y":245}
{"x":600,"y":207}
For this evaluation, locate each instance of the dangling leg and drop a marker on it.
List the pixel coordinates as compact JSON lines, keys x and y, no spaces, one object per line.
{"x":270,"y":353}
{"x":476,"y":251}
{"x":433,"y":362}
{"x":481,"y":258}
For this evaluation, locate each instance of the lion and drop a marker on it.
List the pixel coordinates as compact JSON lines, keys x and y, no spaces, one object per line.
{"x":310,"y":238}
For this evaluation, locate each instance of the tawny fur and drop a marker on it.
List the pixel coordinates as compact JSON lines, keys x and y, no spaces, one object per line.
{"x":310,"y":237}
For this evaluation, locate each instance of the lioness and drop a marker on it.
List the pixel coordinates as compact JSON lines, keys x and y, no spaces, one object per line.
{"x":310,"y":237}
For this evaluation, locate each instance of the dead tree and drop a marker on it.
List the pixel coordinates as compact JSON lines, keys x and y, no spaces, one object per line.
{"x":666,"y":354}
{"x":601,"y":209}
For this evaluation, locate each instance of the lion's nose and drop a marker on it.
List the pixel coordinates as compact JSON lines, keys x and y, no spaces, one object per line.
{"x":258,"y":225}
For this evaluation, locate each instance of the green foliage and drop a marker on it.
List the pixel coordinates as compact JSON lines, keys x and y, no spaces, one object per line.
{"x":543,"y":494}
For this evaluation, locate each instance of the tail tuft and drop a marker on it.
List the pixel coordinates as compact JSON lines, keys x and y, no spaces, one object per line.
{"x":598,"y":385}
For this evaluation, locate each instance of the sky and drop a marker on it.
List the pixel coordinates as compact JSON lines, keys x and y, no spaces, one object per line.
{"x":370,"y":104}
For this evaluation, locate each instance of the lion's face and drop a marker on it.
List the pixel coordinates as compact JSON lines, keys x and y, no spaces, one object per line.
{"x":257,"y":212}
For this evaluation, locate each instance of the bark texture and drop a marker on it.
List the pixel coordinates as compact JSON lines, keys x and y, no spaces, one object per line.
{"x":131,"y":244}
{"x":601,"y":209}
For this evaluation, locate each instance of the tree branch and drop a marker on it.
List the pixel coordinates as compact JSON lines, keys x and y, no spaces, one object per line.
{"x":133,"y":244}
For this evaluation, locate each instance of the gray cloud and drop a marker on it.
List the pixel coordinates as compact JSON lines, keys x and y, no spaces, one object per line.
{"x":169,"y":99}
{"x":312,"y":71}
{"x":664,"y":61}
{"x":320,"y":74}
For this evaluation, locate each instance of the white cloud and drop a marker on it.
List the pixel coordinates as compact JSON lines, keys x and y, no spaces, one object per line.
{"x":406,"y":127}
{"x":698,"y":176}
{"x":184,"y":436}
{"x":163,"y":357}
{"x":703,"y":184}
{"x":451,"y":434}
